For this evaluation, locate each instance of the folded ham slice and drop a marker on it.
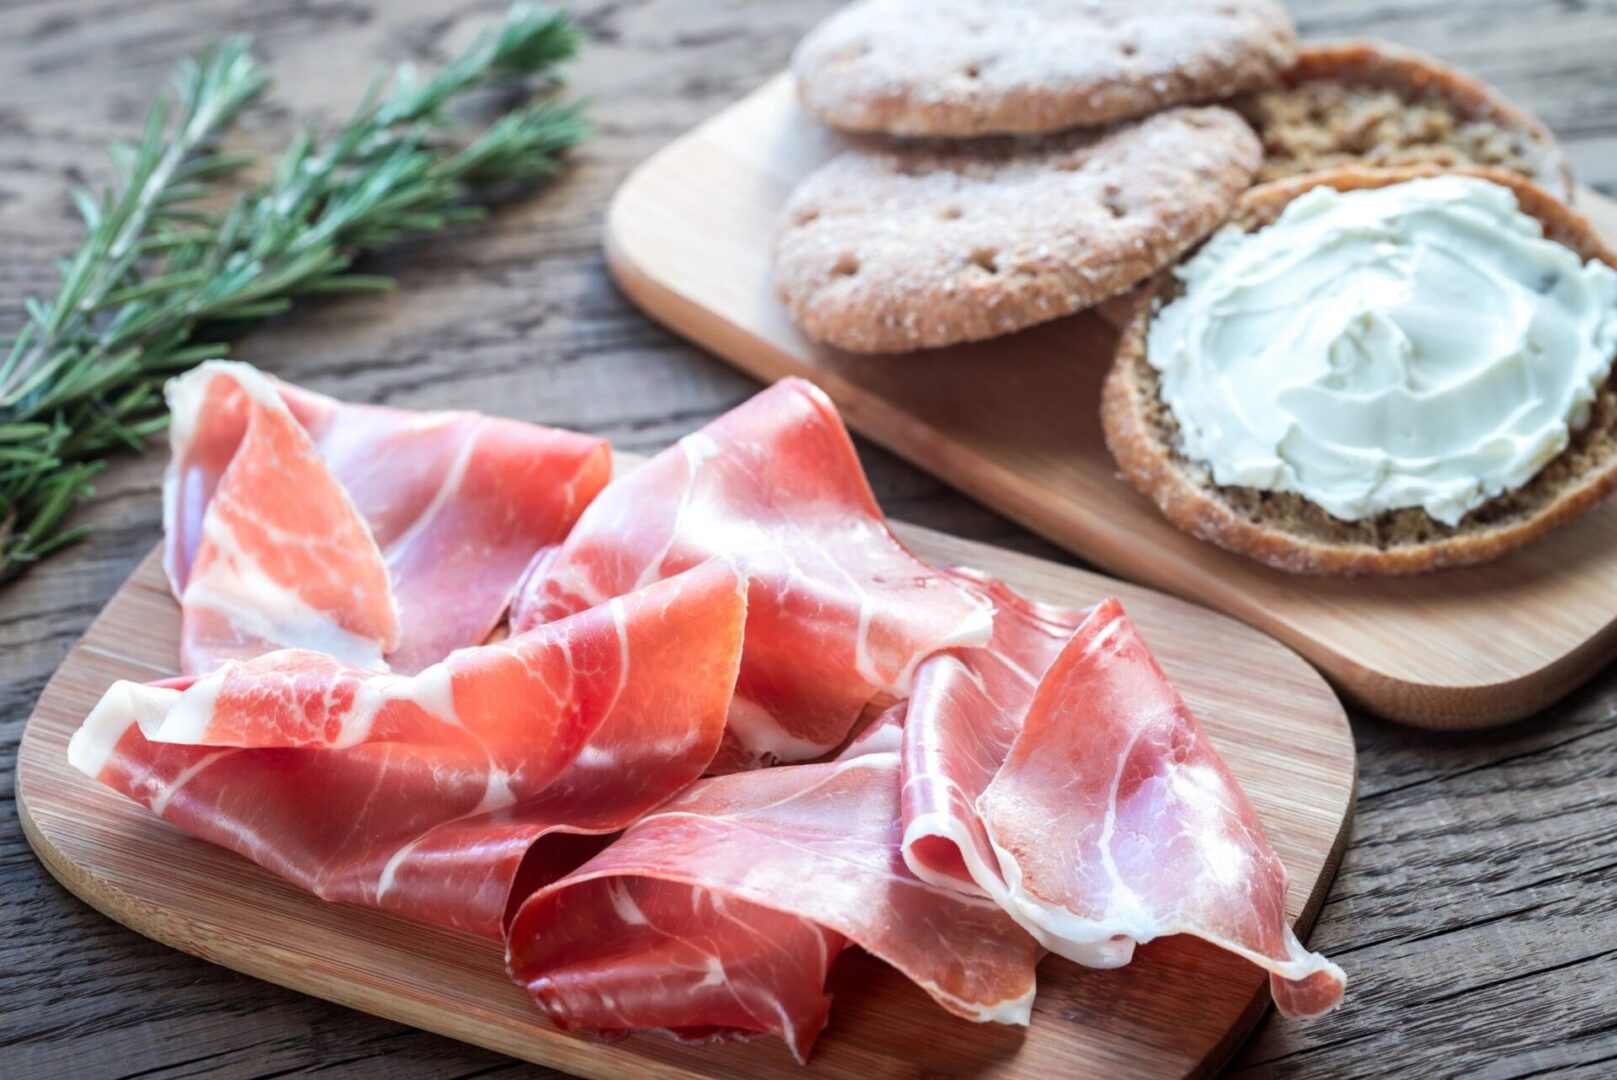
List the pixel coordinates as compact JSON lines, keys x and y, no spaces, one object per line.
{"x":966,"y":709}
{"x":423,"y":794}
{"x":264,"y":547}
{"x":838,"y":610}
{"x":721,"y":912}
{"x":454,"y":506}
{"x":1115,"y":822}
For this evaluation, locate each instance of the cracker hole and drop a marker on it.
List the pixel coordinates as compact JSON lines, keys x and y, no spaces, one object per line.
{"x":805,"y":217}
{"x":986,"y":260}
{"x":847,"y":265}
{"x":951,"y":213}
{"x":973,"y":71}
{"x":1112,"y":199}
{"x":1129,"y":48}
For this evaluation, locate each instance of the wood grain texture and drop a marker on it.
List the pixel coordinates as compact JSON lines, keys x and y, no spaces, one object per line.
{"x":1015,"y":422}
{"x":1180,"y":1009}
{"x":1474,"y":905}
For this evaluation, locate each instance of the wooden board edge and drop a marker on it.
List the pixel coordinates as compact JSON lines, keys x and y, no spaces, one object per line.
{"x":1479,"y":707}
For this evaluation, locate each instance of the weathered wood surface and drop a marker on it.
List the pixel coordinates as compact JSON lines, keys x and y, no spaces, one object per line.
{"x":1475,"y":910}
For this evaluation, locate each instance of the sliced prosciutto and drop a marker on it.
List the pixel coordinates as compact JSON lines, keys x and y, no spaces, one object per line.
{"x":838,"y":610}
{"x":964,"y":713}
{"x":281,"y":556}
{"x":1114,"y":822}
{"x":455,"y":505}
{"x":721,"y":912}
{"x":459,"y":503}
{"x":423,"y":794}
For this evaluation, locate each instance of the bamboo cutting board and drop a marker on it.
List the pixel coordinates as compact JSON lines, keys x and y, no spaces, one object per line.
{"x":1014,"y":423}
{"x":1180,"y":1009}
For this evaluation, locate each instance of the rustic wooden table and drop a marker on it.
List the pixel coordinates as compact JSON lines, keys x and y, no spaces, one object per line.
{"x":1476,"y":909}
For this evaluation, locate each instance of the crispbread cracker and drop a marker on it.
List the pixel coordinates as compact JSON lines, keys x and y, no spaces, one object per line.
{"x":892,"y":248}
{"x":962,"y":68}
{"x":1286,"y":530}
{"x":1370,"y":103}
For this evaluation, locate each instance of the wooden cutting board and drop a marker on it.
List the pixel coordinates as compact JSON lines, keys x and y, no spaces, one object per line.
{"x":1013,"y":423}
{"x":1181,"y":1008}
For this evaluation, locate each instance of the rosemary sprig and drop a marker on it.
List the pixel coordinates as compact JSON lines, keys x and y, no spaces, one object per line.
{"x":159,"y":284}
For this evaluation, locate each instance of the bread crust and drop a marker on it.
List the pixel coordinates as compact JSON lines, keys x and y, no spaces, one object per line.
{"x":1417,"y":77}
{"x":1568,"y":486}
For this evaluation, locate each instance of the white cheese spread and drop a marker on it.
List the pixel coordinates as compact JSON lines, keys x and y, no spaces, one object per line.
{"x":1416,"y":345}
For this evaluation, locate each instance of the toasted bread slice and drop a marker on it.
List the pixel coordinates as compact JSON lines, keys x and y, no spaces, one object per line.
{"x":1286,"y":530}
{"x":1368,"y":103}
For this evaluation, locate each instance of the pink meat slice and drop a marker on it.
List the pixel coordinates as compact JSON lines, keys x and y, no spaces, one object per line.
{"x":721,"y":912}
{"x":1115,"y":822}
{"x":964,"y":713}
{"x":423,"y":794}
{"x":457,"y":504}
{"x":282,"y":556}
{"x":838,"y":610}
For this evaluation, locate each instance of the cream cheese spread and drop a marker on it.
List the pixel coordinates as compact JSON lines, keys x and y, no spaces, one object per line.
{"x":1416,"y":345}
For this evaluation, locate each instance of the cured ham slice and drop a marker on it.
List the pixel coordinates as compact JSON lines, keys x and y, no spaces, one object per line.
{"x":838,"y":610}
{"x":1115,"y":822}
{"x":459,"y":504}
{"x":423,"y":794}
{"x":964,"y":713}
{"x":456,"y":505}
{"x":721,"y":912}
{"x":282,"y":556}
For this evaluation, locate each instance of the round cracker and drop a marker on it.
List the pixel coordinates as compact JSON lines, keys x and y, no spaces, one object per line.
{"x":1371,"y":103}
{"x":984,"y":67}
{"x":892,"y":248}
{"x":1286,"y":530}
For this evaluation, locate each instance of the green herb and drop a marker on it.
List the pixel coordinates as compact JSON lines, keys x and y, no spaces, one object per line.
{"x":160,"y":283}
